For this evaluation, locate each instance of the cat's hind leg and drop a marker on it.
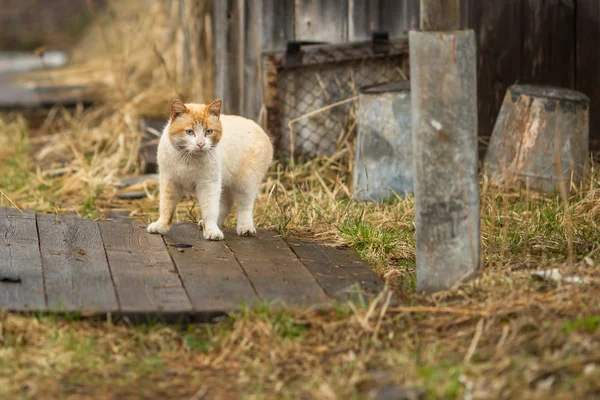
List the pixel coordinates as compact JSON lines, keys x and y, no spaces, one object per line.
{"x":225,"y":206}
{"x":244,"y":200}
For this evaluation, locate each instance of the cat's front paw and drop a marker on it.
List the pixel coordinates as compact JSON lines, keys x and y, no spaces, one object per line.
{"x":213,"y":234}
{"x":246,"y":230}
{"x":201,"y":224}
{"x":157,"y":227}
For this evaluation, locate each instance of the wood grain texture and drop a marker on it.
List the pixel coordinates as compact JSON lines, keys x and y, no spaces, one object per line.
{"x":100,"y":268}
{"x":588,"y":62}
{"x":440,"y":15}
{"x":220,"y":31}
{"x":274,"y":270}
{"x":363,"y":19}
{"x":548,"y":54}
{"x":76,"y":273}
{"x":412,"y":11}
{"x":278,"y":19}
{"x":322,"y":20}
{"x":21,"y":276}
{"x":267,"y":25}
{"x":253,"y":21}
{"x":498,"y":55}
{"x":210,"y":272}
{"x":144,"y":275}
{"x":397,"y":17}
{"x":234,"y":95}
{"x":338,"y":271}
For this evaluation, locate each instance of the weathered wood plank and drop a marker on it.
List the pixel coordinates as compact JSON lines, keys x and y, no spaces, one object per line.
{"x":277,"y":30}
{"x":412,"y":11}
{"x":220,"y":32}
{"x":465,"y":12}
{"x":337,"y":270}
{"x":440,"y":15}
{"x":548,"y":55}
{"x":76,"y":272}
{"x":318,"y":54}
{"x":210,"y":273}
{"x":397,"y":16}
{"x":234,"y":97}
{"x":253,"y":21}
{"x":363,"y":19}
{"x":322,"y":20}
{"x":21,"y":276}
{"x":499,"y":55}
{"x":274,"y":270}
{"x":143,"y":273}
{"x":588,"y":62}
{"x":277,"y":24}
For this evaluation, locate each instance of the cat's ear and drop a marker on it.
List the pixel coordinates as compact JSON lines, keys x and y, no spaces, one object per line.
{"x":177,"y":108}
{"x":214,"y":108}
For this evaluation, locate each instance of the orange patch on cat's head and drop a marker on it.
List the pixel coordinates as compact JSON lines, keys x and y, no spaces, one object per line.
{"x":186,"y":116}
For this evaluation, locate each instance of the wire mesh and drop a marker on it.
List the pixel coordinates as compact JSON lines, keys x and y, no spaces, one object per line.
{"x":317,"y":94}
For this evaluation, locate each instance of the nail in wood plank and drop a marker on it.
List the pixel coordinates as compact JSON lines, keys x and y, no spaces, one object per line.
{"x":337,"y":271}
{"x":76,"y":272}
{"x":21,"y":277}
{"x":144,"y":275}
{"x":210,"y":273}
{"x":274,"y":270}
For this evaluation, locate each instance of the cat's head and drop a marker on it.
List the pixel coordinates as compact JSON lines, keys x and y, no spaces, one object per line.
{"x":195,"y":127}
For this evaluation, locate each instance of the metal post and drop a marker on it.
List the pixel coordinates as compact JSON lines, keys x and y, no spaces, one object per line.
{"x":444,"y":129}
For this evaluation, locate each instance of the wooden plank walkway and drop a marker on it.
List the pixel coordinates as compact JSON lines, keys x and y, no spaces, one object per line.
{"x":57,"y":263}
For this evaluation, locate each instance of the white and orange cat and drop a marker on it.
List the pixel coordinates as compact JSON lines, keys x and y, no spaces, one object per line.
{"x":221,"y":159}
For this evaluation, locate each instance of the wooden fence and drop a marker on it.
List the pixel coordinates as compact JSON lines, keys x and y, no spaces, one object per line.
{"x":552,"y":42}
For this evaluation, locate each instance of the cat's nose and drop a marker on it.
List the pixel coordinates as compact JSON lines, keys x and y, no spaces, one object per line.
{"x":200,"y":145}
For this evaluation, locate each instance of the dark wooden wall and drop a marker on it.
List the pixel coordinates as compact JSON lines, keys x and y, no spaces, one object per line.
{"x":552,"y":42}
{"x":244,"y":28}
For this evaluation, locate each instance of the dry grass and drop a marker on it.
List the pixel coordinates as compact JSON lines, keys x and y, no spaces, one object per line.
{"x":504,"y":335}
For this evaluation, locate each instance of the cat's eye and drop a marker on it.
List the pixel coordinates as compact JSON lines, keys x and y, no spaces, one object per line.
{"x":208,"y":132}
{"x":189,"y":131}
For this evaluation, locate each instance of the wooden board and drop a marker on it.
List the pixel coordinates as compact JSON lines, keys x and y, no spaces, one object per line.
{"x":548,"y":54}
{"x":17,"y":92}
{"x":220,"y":32}
{"x":234,"y":102}
{"x":322,"y":20}
{"x":588,"y":62}
{"x":411,"y":14}
{"x":76,"y":273}
{"x":51,"y":263}
{"x":251,"y":102}
{"x":277,"y":26}
{"x":21,"y":277}
{"x":499,"y":54}
{"x":210,"y":273}
{"x":275,"y":271}
{"x":398,"y":16}
{"x":144,"y":275}
{"x":363,"y":19}
{"x":338,"y":271}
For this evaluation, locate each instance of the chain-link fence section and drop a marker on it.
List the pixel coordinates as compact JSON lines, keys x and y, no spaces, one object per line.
{"x":311,"y":91}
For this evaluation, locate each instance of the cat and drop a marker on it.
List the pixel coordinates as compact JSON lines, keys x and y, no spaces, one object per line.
{"x":222,"y":159}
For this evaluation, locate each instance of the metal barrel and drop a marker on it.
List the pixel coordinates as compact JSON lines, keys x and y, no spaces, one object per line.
{"x":383,"y":165}
{"x":540,"y":139}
